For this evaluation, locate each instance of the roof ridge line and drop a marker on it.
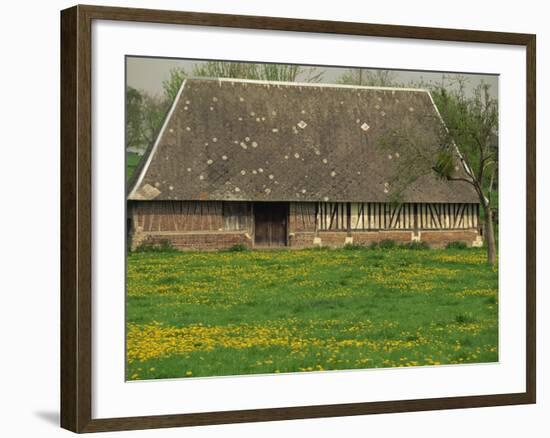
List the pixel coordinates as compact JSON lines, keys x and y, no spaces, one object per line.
{"x":307,"y":84}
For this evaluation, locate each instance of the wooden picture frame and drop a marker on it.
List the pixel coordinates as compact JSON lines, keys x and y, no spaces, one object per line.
{"x":76,"y":217}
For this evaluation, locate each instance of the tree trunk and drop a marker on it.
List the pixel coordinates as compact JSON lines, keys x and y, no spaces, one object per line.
{"x":490,"y":235}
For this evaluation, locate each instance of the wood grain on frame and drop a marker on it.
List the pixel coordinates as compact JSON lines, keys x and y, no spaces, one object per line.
{"x":76,"y":299}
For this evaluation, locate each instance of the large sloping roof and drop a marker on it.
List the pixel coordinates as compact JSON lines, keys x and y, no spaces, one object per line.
{"x":227,"y":139}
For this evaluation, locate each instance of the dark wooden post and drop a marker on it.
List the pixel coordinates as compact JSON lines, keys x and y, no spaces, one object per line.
{"x":348,"y":218}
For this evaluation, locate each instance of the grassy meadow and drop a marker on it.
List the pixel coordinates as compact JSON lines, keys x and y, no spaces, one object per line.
{"x":230,"y":313}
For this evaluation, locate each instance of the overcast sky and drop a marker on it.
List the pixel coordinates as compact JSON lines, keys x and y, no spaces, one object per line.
{"x":148,"y":73}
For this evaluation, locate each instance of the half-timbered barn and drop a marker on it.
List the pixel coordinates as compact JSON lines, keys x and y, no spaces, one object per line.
{"x":270,"y":164}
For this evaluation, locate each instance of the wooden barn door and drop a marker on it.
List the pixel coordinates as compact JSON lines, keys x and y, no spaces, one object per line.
{"x":270,"y":220}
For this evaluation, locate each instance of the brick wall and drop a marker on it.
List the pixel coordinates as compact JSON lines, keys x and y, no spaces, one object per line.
{"x":196,"y":241}
{"x":301,"y":240}
{"x":440,"y":238}
{"x":223,"y":240}
{"x":333,"y":238}
{"x":368,"y":237}
{"x":190,"y":225}
{"x":435,"y":239}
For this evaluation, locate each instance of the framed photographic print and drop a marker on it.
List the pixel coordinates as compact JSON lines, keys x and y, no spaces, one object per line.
{"x":268,"y":218}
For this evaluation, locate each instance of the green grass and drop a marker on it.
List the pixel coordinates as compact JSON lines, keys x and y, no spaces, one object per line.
{"x":227,"y":313}
{"x":132,"y":160}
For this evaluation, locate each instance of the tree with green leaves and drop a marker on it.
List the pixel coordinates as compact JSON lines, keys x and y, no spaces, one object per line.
{"x":240,"y":70}
{"x":266,"y":72}
{"x":366,"y":77}
{"x":144,"y":115}
{"x":172,"y":85}
{"x":467,"y":149}
{"x":288,"y":73}
{"x":224,"y":69}
{"x":134,"y":101}
{"x":472,"y":127}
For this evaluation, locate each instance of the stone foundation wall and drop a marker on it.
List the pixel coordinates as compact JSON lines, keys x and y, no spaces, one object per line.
{"x":368,"y":237}
{"x":301,"y":240}
{"x":440,"y":238}
{"x":206,"y":241}
{"x":189,"y":241}
{"x":435,"y":239}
